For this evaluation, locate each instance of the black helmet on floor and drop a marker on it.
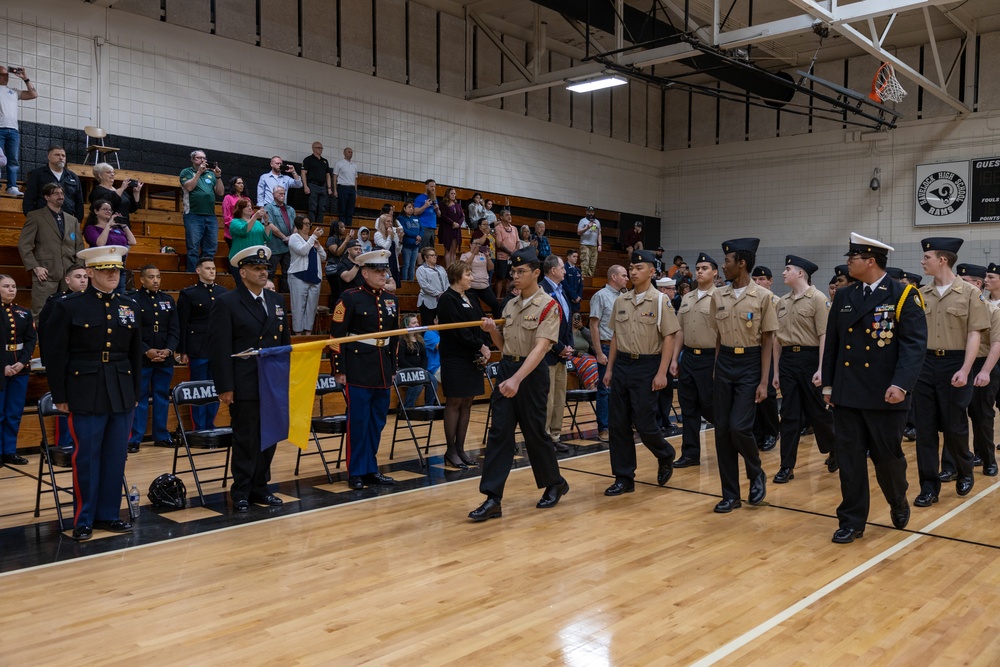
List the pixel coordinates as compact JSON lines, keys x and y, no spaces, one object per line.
{"x":168,"y":491}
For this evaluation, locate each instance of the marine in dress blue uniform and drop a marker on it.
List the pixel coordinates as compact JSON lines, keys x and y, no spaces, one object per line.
{"x":160,"y":336}
{"x":94,"y":355}
{"x":194,"y":305}
{"x":18,"y":345}
{"x":876,"y":338}
{"x":366,"y":368}
{"x":249,"y":317}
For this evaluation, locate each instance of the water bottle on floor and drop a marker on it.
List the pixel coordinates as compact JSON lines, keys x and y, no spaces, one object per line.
{"x":133,"y":502}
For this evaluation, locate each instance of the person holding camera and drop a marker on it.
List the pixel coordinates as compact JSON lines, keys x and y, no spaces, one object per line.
{"x":285,"y":177}
{"x":124,"y":199}
{"x":104,"y":227}
{"x":479,"y":261}
{"x":10,"y":135}
{"x":201,"y":183}
{"x":589,"y":231}
{"x":305,"y":273}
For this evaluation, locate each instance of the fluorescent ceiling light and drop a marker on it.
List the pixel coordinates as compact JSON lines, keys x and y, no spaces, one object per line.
{"x":596,"y":83}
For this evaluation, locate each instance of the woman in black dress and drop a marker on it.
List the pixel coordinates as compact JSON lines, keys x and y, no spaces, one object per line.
{"x":463,"y":355}
{"x":124,"y":200}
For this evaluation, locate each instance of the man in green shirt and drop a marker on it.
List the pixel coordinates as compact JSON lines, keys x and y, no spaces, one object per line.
{"x":201,"y":184}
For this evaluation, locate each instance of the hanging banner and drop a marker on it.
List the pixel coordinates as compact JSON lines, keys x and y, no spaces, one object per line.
{"x":942,"y":194}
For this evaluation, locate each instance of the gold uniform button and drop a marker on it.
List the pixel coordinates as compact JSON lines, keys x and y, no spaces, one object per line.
{"x":868,"y":348}
{"x":109,"y":330}
{"x":847,"y":363}
{"x":868,"y":330}
{"x":851,"y":330}
{"x":866,"y":365}
{"x":109,"y":316}
{"x":86,"y":326}
{"x":847,"y":347}
{"x":108,"y":344}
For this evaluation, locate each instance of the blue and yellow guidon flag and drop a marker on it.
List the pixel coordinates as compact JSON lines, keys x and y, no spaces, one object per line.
{"x":287,"y":383}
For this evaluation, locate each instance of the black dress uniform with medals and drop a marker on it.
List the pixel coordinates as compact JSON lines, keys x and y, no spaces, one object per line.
{"x":94,"y":361}
{"x":239,"y":322}
{"x":873,"y":343}
{"x":160,"y":331}
{"x":194,"y":306}
{"x":19,"y":339}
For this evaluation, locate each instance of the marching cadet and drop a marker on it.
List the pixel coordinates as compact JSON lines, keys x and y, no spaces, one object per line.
{"x":694,"y":359}
{"x":644,"y":324}
{"x":160,"y":336}
{"x":249,"y":317}
{"x":910,"y":432}
{"x":956,"y":314}
{"x":895,"y":273}
{"x":365,"y":368}
{"x":745,"y":321}
{"x":19,"y":344}
{"x":802,"y":316}
{"x":876,"y":337}
{"x":194,"y":304}
{"x":94,"y":356}
{"x":913,"y":279}
{"x":765,"y":426}
{"x":531,"y":326}
{"x":842,"y":274}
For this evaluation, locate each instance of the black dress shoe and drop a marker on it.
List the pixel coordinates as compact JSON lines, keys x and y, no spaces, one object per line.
{"x":618,"y":488}
{"x":727,"y":505}
{"x":116,"y":526}
{"x":990,"y":469}
{"x":664,"y":471}
{"x":461,"y":465}
{"x":685,"y":462}
{"x":14,"y":459}
{"x":490,"y":509}
{"x":900,"y":516}
{"x":948,"y":475}
{"x":977,"y":461}
{"x":242,"y":505}
{"x":378,"y":479}
{"x":132,"y":449}
{"x":769,"y":443}
{"x":964,"y":485}
{"x":82,"y":533}
{"x":925,"y":499}
{"x":552,"y":495}
{"x":909,"y":434}
{"x":847,"y":535}
{"x":832,"y":465}
{"x":355,"y":483}
{"x":269,"y":499}
{"x":167,"y":444}
{"x":758,"y":489}
{"x":561,"y":446}
{"x":784,"y":475}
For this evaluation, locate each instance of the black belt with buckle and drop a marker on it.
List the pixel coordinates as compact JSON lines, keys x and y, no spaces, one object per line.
{"x":104,"y":357}
{"x":739,"y":350}
{"x":699,"y":350}
{"x":801,"y":348}
{"x":633,"y":355}
{"x":510,"y":357}
{"x":946,"y":353}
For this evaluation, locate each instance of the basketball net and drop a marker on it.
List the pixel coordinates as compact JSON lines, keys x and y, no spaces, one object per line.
{"x":885,"y":85}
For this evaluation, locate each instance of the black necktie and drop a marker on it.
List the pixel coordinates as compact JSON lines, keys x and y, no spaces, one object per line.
{"x":868,"y":291}
{"x":260,"y":302}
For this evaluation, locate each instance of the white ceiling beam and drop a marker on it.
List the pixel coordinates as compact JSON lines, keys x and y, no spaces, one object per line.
{"x":504,"y":49}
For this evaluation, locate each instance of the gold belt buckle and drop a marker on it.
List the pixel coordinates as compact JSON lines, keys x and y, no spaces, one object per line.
{"x":632,"y":355}
{"x":738,"y":350}
{"x":938,"y":353}
{"x":381,"y":342}
{"x":156,"y":327}
{"x":796,"y":348}
{"x":696,"y":351}
{"x":12,"y":348}
{"x":515,"y":358}
{"x":104,"y":357}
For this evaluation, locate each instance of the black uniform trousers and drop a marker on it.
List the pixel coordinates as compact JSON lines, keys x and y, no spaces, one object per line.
{"x":735,"y":388}
{"x":766,"y":422}
{"x":801,"y":398}
{"x":251,"y":466}
{"x":981,"y":413}
{"x":527,"y":410}
{"x":941,"y":407}
{"x":863,"y":433}
{"x":694,"y":394}
{"x":633,"y":401}
{"x":664,"y":404}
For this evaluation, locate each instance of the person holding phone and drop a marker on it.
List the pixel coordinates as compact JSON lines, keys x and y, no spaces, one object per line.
{"x":104,"y":227}
{"x":124,"y":199}
{"x":10,"y":135}
{"x":280,"y":174}
{"x":201,"y":183}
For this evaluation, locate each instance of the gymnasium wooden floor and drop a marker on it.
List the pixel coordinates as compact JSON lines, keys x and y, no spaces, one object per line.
{"x":650,"y":578}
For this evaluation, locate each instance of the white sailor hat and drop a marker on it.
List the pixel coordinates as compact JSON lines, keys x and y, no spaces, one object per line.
{"x":104,"y":257}
{"x":666,"y":282}
{"x":255,"y":254}
{"x":862,"y":244}
{"x":376,"y":259}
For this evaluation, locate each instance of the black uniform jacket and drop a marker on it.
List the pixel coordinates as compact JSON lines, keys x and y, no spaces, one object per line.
{"x":362,"y":310}
{"x":194,"y":305}
{"x":158,"y":321}
{"x":19,"y":337}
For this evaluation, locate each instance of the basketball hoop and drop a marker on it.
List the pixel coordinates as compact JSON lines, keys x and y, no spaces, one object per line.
{"x":885,"y":86}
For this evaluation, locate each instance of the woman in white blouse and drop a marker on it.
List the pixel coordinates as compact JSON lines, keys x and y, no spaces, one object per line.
{"x":305,"y":273}
{"x":433,"y":281}
{"x":388,"y":235}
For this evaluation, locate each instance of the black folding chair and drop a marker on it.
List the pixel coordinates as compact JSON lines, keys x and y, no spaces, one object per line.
{"x":424,"y":415}
{"x":491,"y":371}
{"x":328,"y":425}
{"x":574,"y":397}
{"x":208,"y":441}
{"x":54,"y":456}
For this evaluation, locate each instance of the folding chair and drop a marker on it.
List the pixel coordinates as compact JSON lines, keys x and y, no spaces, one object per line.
{"x":54,"y":456}
{"x":328,"y":425}
{"x":576,"y":396}
{"x":211,"y":441}
{"x":491,"y":371}
{"x":425,"y":414}
{"x":98,"y":148}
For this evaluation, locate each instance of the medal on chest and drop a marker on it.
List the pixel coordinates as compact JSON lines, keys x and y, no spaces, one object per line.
{"x":749,"y":320}
{"x":126,"y":315}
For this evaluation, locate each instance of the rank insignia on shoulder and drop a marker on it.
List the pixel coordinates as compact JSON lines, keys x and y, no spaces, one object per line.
{"x":339,"y":311}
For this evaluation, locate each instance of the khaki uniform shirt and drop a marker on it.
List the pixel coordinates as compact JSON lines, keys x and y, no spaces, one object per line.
{"x":695,"y":317}
{"x":802,"y":319}
{"x":992,"y":334}
{"x":524,"y":322}
{"x":641,"y":327}
{"x":740,"y":322}
{"x":951,"y":317}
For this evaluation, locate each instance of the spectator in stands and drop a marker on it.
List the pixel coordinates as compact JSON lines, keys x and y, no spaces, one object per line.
{"x":452,"y":222}
{"x":235,"y":191}
{"x":479,"y":260}
{"x":10,"y":136}
{"x":387,"y":236}
{"x":589,"y":231}
{"x":525,"y":239}
{"x":477,"y":211}
{"x":316,"y":182}
{"x":267,"y":182}
{"x":433,"y":281}
{"x":19,"y":337}
{"x":248,"y":229}
{"x":305,"y":273}
{"x":683,"y":274}
{"x":54,"y":171}
{"x":505,"y":235}
{"x":200,"y":185}
{"x":104,"y":226}
{"x":488,"y":213}
{"x":464,"y":354}
{"x":364,"y":237}
{"x":412,"y":353}
{"x":124,"y":199}
{"x":279,"y":222}
{"x":633,"y":240}
{"x":335,"y":248}
{"x":486,"y":240}
{"x":554,"y":272}
{"x":48,"y":244}
{"x":425,"y":206}
{"x":573,"y":282}
{"x":682,"y":289}
{"x":540,"y":241}
{"x":194,"y":306}
{"x":348,"y":271}
{"x":345,"y":179}
{"x":601,"y":309}
{"x":411,"y":240}
{"x":583,"y":342}
{"x":678,"y":260}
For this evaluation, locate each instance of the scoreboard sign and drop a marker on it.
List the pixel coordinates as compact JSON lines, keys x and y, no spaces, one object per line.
{"x":986,"y":190}
{"x":942,"y":194}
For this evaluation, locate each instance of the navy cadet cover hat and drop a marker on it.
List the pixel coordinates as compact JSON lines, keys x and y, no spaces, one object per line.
{"x":523,"y":256}
{"x":804,"y":264}
{"x":974,"y":270}
{"x":761,"y":271}
{"x":640,"y":256}
{"x":916,"y":278}
{"x":993,"y":268}
{"x":942,"y":243}
{"x":894,"y":272}
{"x":734,"y":245}
{"x":841,"y":270}
{"x":702,"y":257}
